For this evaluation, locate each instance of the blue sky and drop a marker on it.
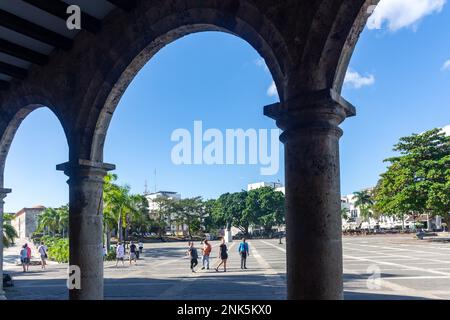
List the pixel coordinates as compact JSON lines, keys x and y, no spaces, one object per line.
{"x":397,"y":81}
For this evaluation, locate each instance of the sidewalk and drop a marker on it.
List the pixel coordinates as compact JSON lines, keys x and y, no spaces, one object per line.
{"x":11,"y":256}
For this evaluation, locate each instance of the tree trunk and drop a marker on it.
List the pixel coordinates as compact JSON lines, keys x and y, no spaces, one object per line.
{"x":108,"y":240}
{"x":119,"y":227}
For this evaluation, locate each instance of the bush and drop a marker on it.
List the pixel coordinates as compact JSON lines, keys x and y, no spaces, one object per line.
{"x":58,"y":248}
{"x":59,"y":251}
{"x":111,"y":256}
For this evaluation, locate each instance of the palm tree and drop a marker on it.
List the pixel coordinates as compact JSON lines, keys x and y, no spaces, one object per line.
{"x":121,"y":206}
{"x":48,"y":221}
{"x":63,"y":219}
{"x":364,"y":201}
{"x":344,"y":213}
{"x":138,"y":213}
{"x":9,"y":233}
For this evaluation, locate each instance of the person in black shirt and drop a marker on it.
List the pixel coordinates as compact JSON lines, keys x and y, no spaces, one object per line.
{"x":194,"y":256}
{"x":223,"y":254}
{"x":133,"y":255}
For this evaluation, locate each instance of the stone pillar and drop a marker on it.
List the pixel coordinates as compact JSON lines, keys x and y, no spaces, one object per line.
{"x":3,"y":193}
{"x":313,"y":220}
{"x":86,"y":225}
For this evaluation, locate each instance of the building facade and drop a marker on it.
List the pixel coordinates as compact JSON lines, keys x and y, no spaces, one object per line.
{"x":26,"y":221}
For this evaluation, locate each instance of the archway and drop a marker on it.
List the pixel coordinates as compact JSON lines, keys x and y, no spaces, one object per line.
{"x":398,"y":80}
{"x":306,"y":47}
{"x":218,"y":79}
{"x":37,"y":143}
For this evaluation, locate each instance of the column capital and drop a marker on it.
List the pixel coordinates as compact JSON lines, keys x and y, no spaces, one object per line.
{"x":4,"y":192}
{"x":71,"y":167}
{"x":321,"y":110}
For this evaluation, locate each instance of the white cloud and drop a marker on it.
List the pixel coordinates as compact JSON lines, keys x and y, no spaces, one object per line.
{"x":446,"y":66}
{"x":272,"y":91}
{"x":446,"y":129}
{"x":398,"y":14}
{"x":260,"y":62}
{"x":357,"y":81}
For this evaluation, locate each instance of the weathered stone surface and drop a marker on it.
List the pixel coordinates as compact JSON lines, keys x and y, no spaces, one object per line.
{"x":307,"y":45}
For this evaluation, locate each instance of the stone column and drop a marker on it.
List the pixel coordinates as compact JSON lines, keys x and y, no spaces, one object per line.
{"x":313,"y":221}
{"x":86,"y":225}
{"x":3,"y":193}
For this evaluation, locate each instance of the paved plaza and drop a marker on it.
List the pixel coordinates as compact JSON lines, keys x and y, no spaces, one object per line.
{"x":407,"y":269}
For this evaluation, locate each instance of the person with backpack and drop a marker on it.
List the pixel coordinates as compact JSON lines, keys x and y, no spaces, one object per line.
{"x":24,"y":257}
{"x":42,"y":249}
{"x":244,"y":252}
{"x":194,"y":256}
{"x":206,"y":252}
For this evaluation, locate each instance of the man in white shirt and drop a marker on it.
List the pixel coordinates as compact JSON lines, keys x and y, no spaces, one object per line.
{"x":120,"y":254}
{"x":42,"y":249}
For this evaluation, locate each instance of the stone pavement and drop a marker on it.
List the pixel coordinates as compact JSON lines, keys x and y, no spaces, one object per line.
{"x":163,"y":272}
{"x":408,"y":269}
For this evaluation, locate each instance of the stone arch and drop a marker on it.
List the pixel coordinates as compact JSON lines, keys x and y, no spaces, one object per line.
{"x":358,"y":26}
{"x":30,"y":104}
{"x":140,"y":49}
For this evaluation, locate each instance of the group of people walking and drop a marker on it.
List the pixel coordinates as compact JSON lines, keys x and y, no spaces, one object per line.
{"x":243,"y":250}
{"x":135,"y":251}
{"x":25,"y":256}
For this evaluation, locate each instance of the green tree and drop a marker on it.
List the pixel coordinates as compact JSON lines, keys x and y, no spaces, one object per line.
{"x":264,"y":207}
{"x":138,"y":219}
{"x":364,"y":201}
{"x":417,"y":181}
{"x":119,"y":205}
{"x":345,"y":213}
{"x":209,"y":223}
{"x":229,"y":211}
{"x":63,"y":220}
{"x":9,"y":233}
{"x":48,"y":221}
{"x":162,"y":214}
{"x":189,"y":212}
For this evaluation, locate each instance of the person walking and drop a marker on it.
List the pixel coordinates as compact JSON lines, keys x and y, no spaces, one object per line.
{"x":28,"y":255}
{"x":24,"y":257}
{"x":120,"y":254}
{"x":194,"y":256}
{"x":105,"y":253}
{"x":42,"y":249}
{"x":141,"y":247}
{"x":223,"y":254}
{"x":133,"y":253}
{"x":206,"y":250}
{"x":244,"y":252}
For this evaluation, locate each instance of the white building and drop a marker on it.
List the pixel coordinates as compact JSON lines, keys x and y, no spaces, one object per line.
{"x":179,"y":230}
{"x":152,"y":205}
{"x":276,"y":185}
{"x":384,"y":221}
